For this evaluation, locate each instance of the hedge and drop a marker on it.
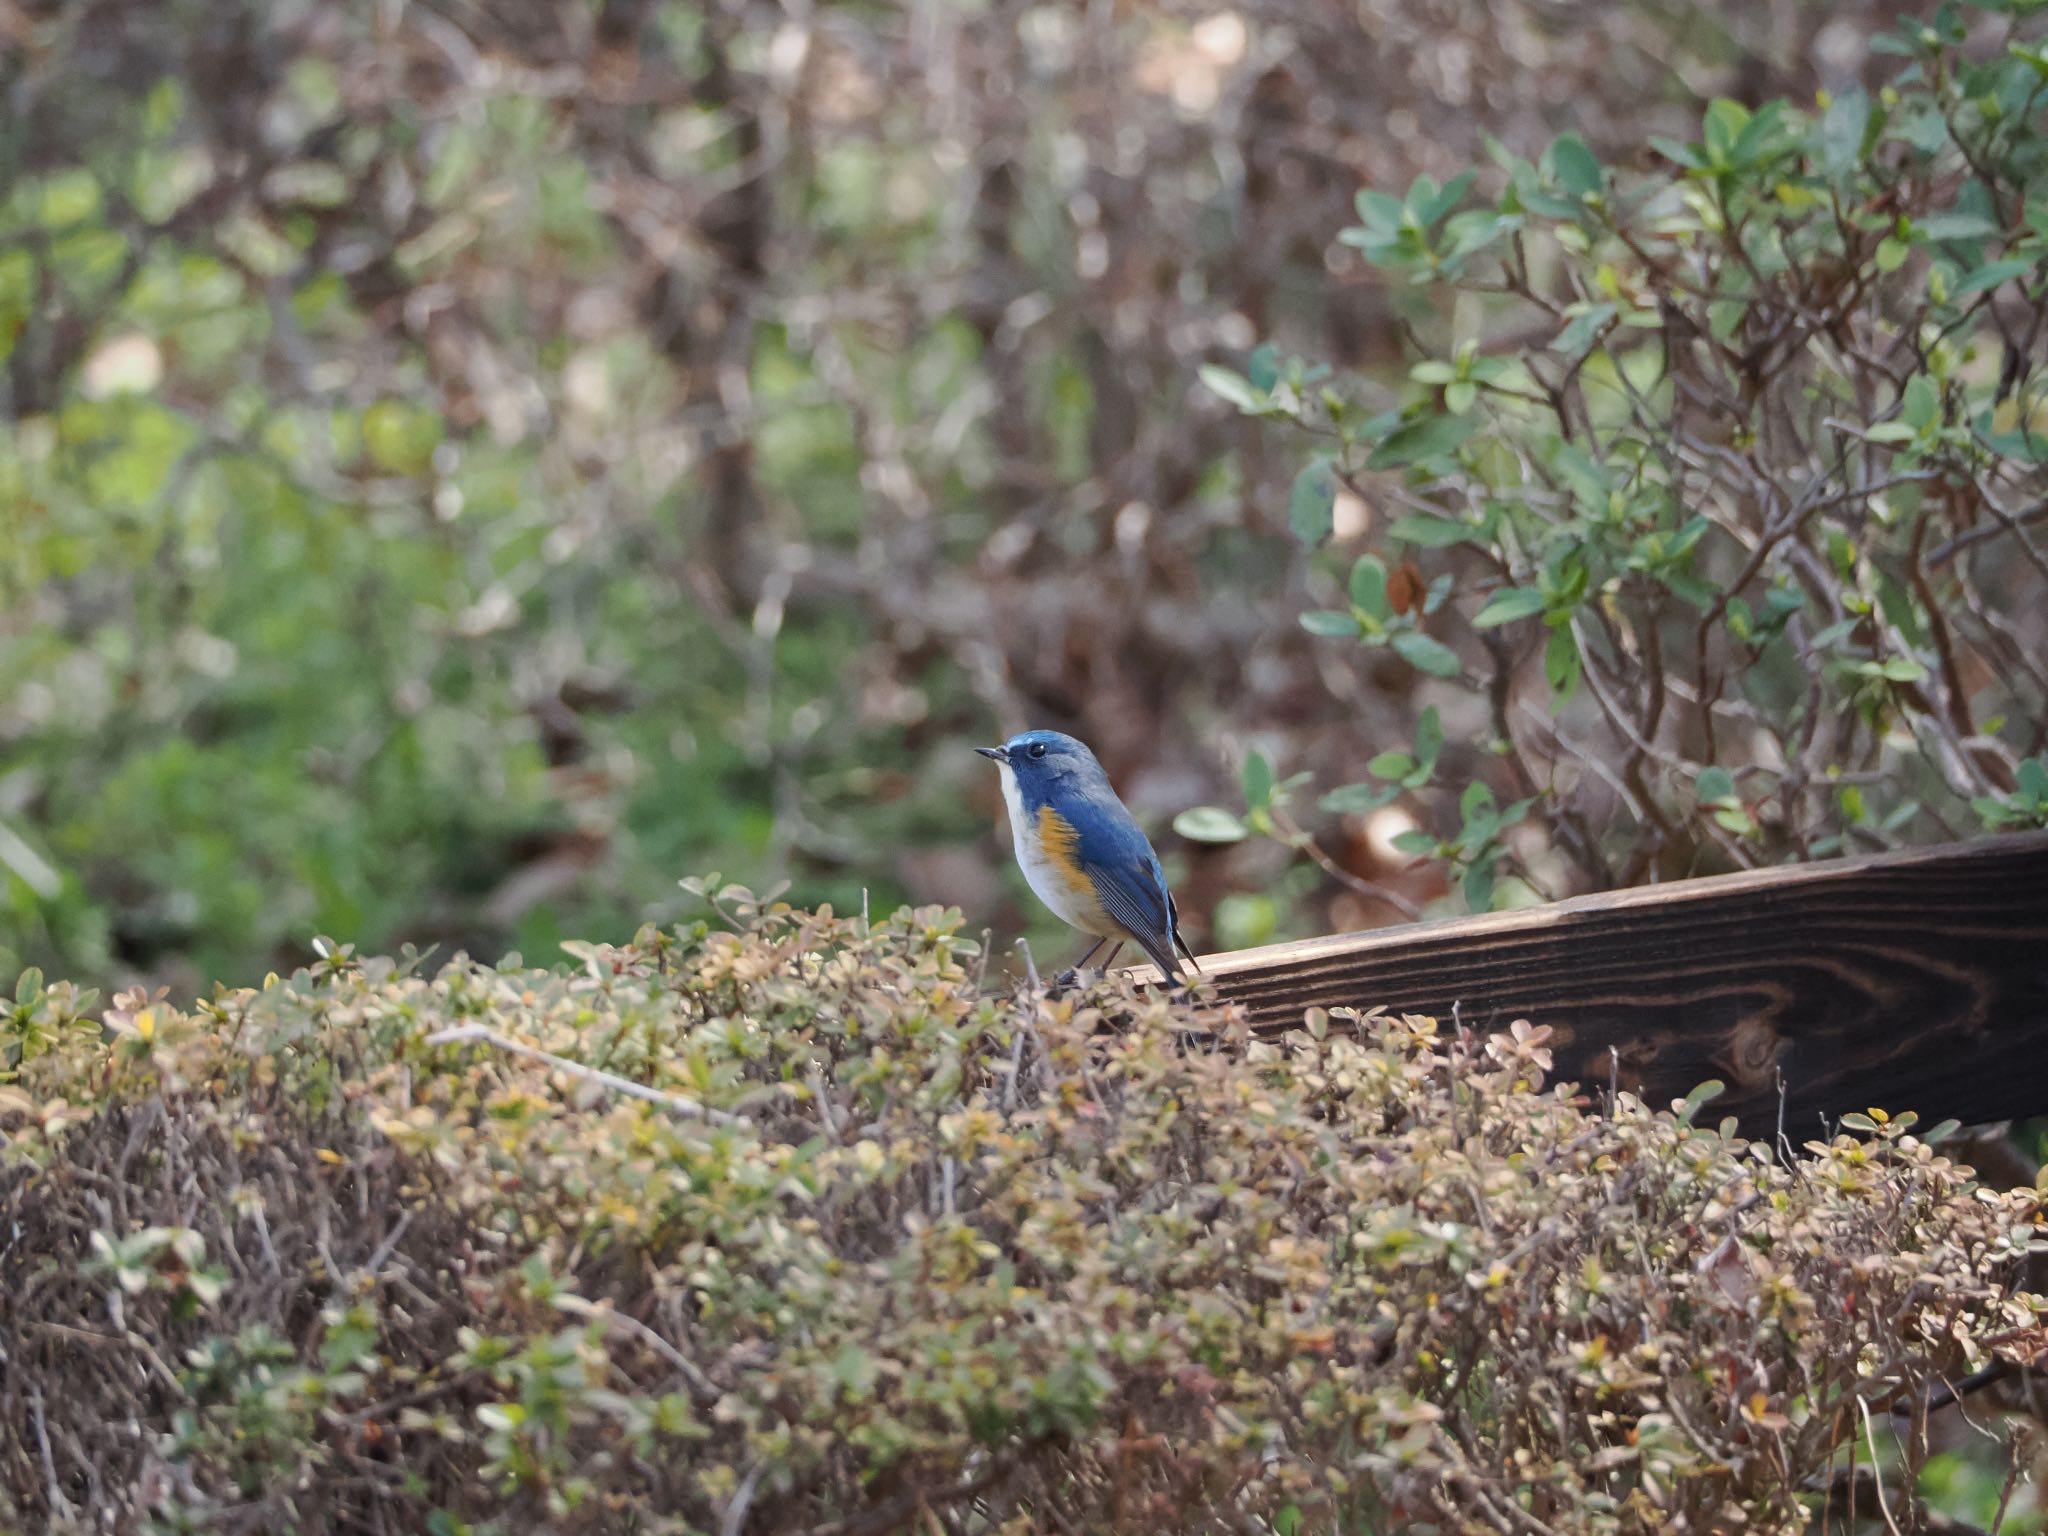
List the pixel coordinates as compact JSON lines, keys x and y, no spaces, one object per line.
{"x":785,"y":1222}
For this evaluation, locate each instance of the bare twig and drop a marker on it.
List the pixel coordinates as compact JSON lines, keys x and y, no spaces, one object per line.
{"x":389,"y":1245}
{"x":1877,"y":1483}
{"x":672,"y":1101}
{"x":1301,"y":840}
{"x":620,"y":1322}
{"x":735,"y":1519}
{"x":58,"y":1502}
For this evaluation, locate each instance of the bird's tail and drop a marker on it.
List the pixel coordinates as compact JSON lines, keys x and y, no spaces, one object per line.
{"x":1160,"y":950}
{"x":1161,"y":955}
{"x":1173,"y":930}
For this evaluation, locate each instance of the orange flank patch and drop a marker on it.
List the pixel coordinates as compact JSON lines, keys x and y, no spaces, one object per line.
{"x":1062,"y":847}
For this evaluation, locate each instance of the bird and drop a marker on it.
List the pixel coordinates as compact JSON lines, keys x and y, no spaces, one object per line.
{"x":1082,"y":853}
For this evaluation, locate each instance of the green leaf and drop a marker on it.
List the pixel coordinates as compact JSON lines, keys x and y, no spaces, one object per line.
{"x":1330,"y":624}
{"x":1430,"y":209}
{"x":1415,"y":840}
{"x":1369,"y":587}
{"x":1689,"y":534}
{"x":1902,"y":669}
{"x":1842,"y":129}
{"x":503,"y":1417}
{"x":1258,"y":780}
{"x":1310,"y":504}
{"x":1955,"y":226}
{"x":1478,"y":798}
{"x":401,"y":438}
{"x":1920,"y":401}
{"x":1583,"y":329}
{"x":1429,"y":738}
{"x":1469,"y":233}
{"x":1754,"y":141}
{"x":1724,"y":119}
{"x":1687,"y":155}
{"x":1391,"y":765}
{"x":1991,"y":810}
{"x":1990,"y":275}
{"x":1263,"y":366}
{"x":1230,"y":386}
{"x":1561,"y":662}
{"x":1209,"y":824}
{"x":1701,"y":1096}
{"x":1577,"y":171}
{"x":1477,"y":887}
{"x":1427,"y":437}
{"x":854,"y":1369}
{"x":1379,"y":212}
{"x":1506,"y":606}
{"x":1733,"y":818}
{"x":1419,"y":651}
{"x":1586,"y":475}
{"x":1714,"y":786}
{"x":1431,"y":531}
{"x":1357,"y":799}
{"x":1892,"y":253}
{"x":2032,"y":778}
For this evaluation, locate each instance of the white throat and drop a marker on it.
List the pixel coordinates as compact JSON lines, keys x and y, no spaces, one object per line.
{"x":1013,"y":798}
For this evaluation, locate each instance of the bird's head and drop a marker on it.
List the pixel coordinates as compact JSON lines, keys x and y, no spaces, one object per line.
{"x":1041,"y":759}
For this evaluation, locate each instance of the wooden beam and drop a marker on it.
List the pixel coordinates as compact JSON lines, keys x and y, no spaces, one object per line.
{"x":1915,"y":980}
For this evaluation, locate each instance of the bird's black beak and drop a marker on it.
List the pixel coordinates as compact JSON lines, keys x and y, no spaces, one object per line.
{"x":1000,"y":754}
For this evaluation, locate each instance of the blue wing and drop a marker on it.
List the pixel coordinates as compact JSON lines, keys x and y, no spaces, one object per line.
{"x":1131,"y":886}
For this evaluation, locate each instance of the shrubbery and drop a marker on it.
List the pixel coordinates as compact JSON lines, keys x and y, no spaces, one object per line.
{"x":798,"y":1230}
{"x":1710,"y":512}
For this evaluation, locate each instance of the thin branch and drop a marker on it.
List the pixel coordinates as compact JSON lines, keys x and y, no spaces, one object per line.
{"x":1295,"y":837}
{"x":59,"y":1504}
{"x":1877,"y":1483}
{"x":673,"y":1101}
{"x":612,"y":1318}
{"x":2004,"y":522}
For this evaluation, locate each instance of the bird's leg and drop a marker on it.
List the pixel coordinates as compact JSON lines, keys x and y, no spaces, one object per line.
{"x":1072,"y":973}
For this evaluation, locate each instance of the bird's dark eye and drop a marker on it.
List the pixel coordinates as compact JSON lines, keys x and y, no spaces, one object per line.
{"x":1037,"y":749}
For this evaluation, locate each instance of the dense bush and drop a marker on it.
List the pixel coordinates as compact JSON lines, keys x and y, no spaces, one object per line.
{"x":1711,"y":513}
{"x":797,"y":1229}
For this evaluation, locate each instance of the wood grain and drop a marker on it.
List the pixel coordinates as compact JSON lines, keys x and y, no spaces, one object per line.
{"x":1915,"y":981}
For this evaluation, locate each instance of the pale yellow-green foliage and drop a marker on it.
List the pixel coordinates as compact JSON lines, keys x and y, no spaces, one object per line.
{"x":883,"y":1251}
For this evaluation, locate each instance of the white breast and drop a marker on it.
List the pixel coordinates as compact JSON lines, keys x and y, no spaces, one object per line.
{"x":1046,"y":881}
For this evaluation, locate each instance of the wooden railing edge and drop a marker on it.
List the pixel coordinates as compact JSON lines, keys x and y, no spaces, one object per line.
{"x":1916,"y":979}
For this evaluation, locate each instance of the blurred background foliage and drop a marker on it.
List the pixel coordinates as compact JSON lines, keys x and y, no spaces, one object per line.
{"x":1709,"y":508}
{"x":468,"y":465}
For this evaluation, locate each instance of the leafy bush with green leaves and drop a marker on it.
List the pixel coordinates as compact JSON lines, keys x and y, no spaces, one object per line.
{"x":783,"y":1223}
{"x":1713,"y":509}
